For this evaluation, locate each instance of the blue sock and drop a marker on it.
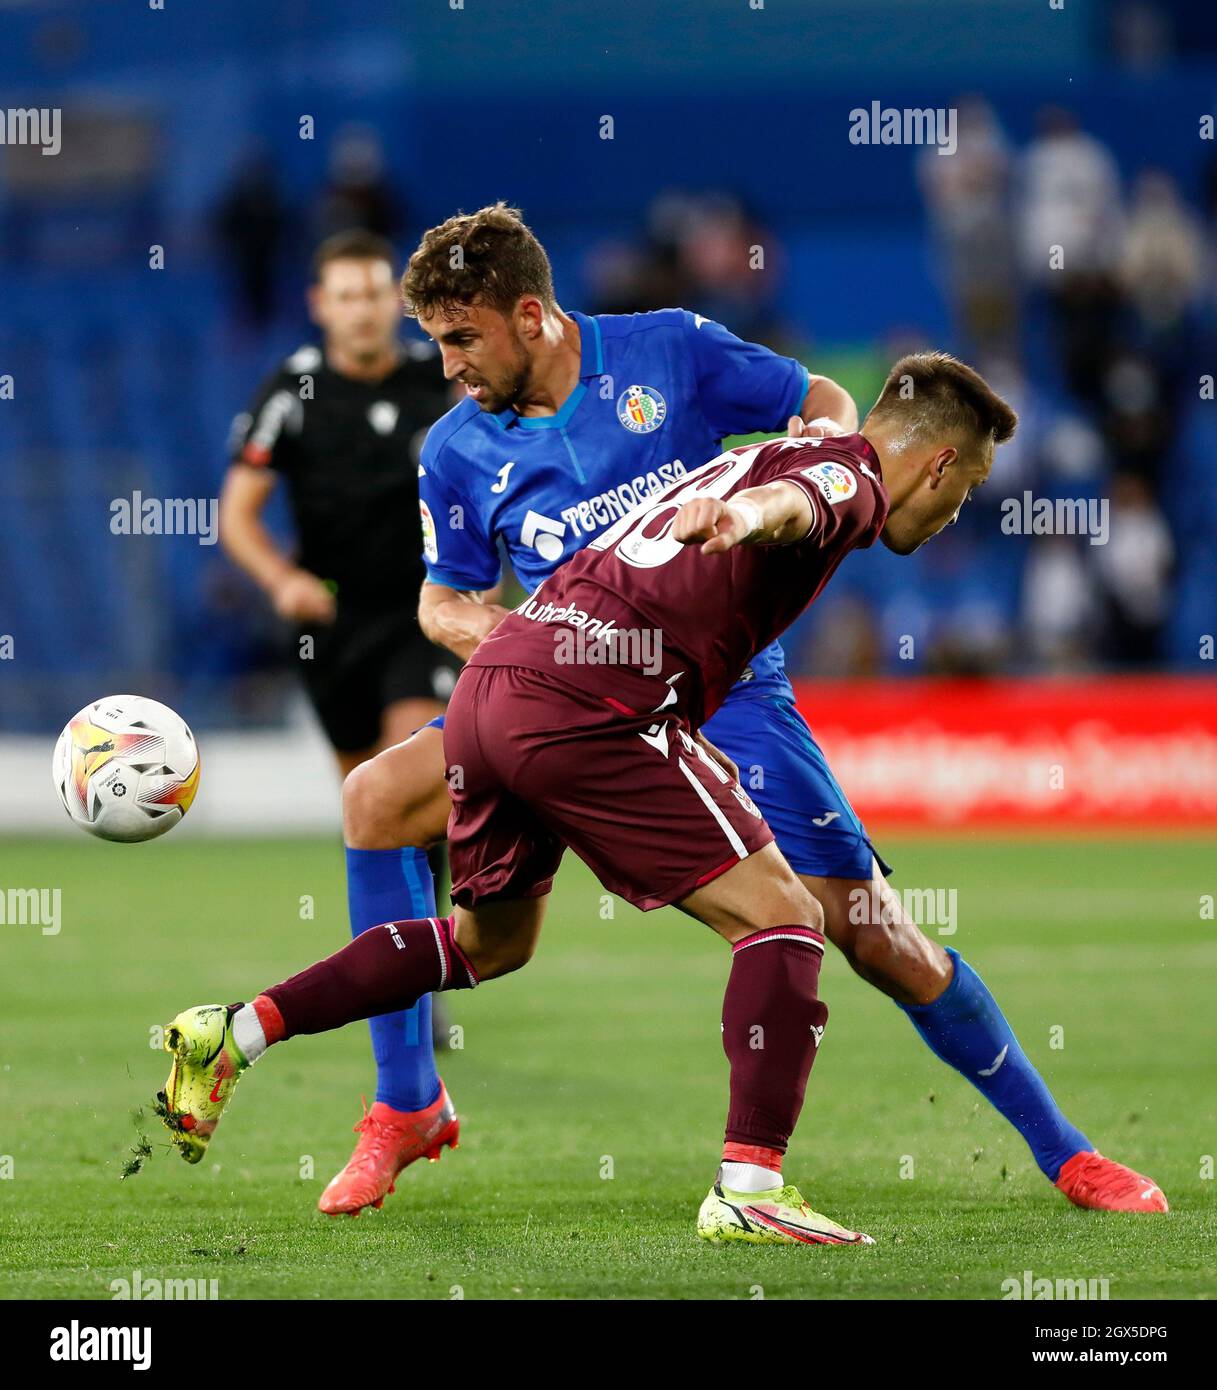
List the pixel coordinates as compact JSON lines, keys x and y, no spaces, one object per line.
{"x":968,"y":1031}
{"x":395,"y":885}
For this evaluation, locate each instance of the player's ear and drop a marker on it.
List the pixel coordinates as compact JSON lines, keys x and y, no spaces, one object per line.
{"x":529,"y":316}
{"x":313,"y":297}
{"x":942,"y":460}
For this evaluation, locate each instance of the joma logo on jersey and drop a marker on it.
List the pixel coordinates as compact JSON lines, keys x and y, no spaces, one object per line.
{"x":641,"y":409}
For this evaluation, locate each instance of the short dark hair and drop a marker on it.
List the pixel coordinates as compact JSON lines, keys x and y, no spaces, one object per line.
{"x":352,"y":245}
{"x":935,"y":391}
{"x":486,"y":257}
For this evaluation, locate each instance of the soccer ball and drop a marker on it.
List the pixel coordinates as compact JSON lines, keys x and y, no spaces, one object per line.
{"x":126,"y":768}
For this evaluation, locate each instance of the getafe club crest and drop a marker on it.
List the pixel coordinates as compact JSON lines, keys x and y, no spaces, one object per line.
{"x":641,"y":409}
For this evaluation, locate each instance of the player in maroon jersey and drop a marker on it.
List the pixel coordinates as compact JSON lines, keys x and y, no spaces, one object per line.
{"x":575,"y":724}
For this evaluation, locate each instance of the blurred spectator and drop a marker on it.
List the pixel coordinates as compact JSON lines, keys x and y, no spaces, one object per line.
{"x":1071,"y":237}
{"x":1140,"y":36}
{"x":1073,"y":453}
{"x":1071,"y":199}
{"x":735,"y":265}
{"x":1162,"y":260}
{"x":973,"y":641}
{"x":703,"y":252}
{"x":1059,"y":609}
{"x":1134,"y":570}
{"x":637,"y":277}
{"x":968,"y":195}
{"x":846,"y":642}
{"x":1138,"y":424}
{"x":250,"y":223}
{"x":358,"y":194}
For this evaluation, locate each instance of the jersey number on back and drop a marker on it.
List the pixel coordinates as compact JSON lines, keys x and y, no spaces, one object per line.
{"x":643,"y":537}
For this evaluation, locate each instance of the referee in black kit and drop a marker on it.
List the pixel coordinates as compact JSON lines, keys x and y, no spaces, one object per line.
{"x":341,"y":425}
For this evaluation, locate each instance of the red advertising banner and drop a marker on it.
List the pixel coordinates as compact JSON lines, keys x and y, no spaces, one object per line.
{"x":1095,"y":753}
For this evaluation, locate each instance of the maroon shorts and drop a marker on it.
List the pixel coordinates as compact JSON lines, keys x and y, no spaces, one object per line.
{"x":535,"y":765}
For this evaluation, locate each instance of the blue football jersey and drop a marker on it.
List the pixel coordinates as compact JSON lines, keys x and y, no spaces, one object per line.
{"x":657,"y":394}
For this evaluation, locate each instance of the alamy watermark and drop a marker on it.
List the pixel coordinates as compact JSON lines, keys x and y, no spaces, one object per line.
{"x":138,"y":515}
{"x":32,"y":125}
{"x":638,"y":648}
{"x":1057,"y":516}
{"x":927,"y":907}
{"x":1031,"y":1287}
{"x":83,"y":1343}
{"x":32,"y":907}
{"x":877,"y":124}
{"x":137,"y":1288}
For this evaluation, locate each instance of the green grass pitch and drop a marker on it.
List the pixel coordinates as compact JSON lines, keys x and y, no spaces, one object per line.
{"x":592,"y":1088}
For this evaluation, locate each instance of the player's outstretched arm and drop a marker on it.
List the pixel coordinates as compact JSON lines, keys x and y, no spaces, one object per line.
{"x":827,"y":399}
{"x":457,"y":620}
{"x":774,"y":514}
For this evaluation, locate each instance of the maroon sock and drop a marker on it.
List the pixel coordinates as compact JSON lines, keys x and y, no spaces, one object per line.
{"x":381,"y":971}
{"x":772,"y":1022}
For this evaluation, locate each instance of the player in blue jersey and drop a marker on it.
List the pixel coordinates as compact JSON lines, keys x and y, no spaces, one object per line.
{"x":570,"y":422}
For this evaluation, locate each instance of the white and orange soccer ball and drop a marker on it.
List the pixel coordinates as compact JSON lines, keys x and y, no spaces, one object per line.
{"x":126,"y":768}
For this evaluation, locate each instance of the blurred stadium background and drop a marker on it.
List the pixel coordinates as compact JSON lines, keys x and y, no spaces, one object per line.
{"x":186,"y":131}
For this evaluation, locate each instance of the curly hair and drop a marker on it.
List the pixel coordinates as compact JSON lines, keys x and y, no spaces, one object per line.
{"x":486,"y":257}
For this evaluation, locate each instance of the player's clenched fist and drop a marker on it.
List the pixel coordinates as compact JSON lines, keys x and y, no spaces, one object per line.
{"x":720,"y":525}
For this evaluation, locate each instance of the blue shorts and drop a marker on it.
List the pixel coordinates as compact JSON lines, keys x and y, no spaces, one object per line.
{"x":783,"y":769}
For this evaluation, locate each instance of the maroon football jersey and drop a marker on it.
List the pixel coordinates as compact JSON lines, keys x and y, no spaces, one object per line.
{"x":637,"y":602}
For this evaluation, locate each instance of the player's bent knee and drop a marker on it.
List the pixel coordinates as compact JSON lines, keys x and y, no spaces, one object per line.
{"x":798,"y":904}
{"x":792,"y":906}
{"x":810,"y":913}
{"x":786,"y":900}
{"x":379,"y":812}
{"x":360,"y":813}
